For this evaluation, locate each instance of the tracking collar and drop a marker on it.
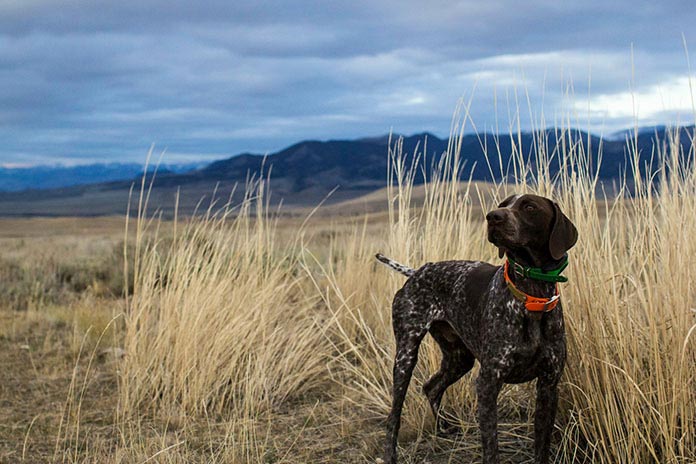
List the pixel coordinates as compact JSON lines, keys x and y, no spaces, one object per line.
{"x":537,"y":273}
{"x":533,"y":304}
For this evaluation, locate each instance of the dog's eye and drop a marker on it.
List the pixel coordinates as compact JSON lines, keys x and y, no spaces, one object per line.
{"x":529,"y":207}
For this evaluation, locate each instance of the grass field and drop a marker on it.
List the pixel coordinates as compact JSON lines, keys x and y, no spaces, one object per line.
{"x":243,"y":337}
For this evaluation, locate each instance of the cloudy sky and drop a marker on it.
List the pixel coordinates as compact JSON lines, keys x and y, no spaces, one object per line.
{"x":96,"y":80}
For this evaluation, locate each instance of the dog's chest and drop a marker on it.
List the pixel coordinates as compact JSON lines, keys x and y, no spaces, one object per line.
{"x":518,"y":346}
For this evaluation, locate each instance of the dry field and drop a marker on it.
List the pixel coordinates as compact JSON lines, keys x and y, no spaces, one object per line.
{"x":243,"y":337}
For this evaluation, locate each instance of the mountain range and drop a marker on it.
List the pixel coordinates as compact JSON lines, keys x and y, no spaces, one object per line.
{"x":305,"y":173}
{"x":56,"y":176}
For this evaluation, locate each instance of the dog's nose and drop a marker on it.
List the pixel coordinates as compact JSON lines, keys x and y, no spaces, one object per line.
{"x":495,"y":217}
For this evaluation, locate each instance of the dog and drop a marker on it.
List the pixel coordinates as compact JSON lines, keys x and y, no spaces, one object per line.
{"x":509,"y":318}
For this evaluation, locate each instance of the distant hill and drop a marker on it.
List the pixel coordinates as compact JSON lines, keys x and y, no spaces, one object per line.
{"x":305,"y":173}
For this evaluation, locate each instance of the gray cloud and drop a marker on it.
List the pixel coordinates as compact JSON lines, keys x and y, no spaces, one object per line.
{"x":101,"y":80}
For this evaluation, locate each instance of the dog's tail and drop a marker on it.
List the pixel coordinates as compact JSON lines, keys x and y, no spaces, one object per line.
{"x":398,"y":267}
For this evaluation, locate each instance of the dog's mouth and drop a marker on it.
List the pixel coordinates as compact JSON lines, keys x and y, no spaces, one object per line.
{"x":500,"y":235}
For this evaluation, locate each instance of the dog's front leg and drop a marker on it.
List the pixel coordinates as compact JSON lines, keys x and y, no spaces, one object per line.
{"x":546,"y":404}
{"x":488,"y":386}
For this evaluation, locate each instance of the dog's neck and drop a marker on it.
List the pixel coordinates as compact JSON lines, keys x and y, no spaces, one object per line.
{"x":529,"y":285}
{"x":534,"y":258}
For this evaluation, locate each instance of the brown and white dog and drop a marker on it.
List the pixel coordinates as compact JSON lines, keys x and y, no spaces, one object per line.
{"x":478,"y":311}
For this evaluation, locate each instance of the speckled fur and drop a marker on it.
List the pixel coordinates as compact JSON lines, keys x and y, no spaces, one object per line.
{"x":468,"y":310}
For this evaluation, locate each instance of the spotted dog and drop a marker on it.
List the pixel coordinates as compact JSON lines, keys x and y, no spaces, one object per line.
{"x":509,"y":318}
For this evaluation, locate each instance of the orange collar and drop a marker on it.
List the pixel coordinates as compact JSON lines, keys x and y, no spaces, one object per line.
{"x":532,"y":303}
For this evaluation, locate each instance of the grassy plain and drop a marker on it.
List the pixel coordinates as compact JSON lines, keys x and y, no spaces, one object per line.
{"x":244,"y":336}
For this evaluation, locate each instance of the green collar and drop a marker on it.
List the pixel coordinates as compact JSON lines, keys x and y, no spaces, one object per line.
{"x":536,"y":273}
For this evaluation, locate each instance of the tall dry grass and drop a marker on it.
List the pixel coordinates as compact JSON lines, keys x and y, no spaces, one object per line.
{"x":628,"y":392}
{"x":227,"y":321}
{"x":218,"y":324}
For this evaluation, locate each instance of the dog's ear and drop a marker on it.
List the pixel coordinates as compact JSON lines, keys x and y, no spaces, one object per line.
{"x":563,"y":233}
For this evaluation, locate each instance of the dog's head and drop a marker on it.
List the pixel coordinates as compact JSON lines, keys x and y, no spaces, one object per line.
{"x":532,"y":228}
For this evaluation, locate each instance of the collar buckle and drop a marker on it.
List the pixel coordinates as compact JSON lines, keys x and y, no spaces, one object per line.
{"x":549,"y":305}
{"x":519,"y":269}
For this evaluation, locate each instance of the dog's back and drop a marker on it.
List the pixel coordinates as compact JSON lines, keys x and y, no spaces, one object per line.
{"x":452,"y":291}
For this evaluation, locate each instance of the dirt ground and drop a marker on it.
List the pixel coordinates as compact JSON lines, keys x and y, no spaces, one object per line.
{"x":40,"y":373}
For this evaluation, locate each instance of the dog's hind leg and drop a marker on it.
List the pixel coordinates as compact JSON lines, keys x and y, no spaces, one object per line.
{"x":408,"y":340}
{"x":457,"y":360}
